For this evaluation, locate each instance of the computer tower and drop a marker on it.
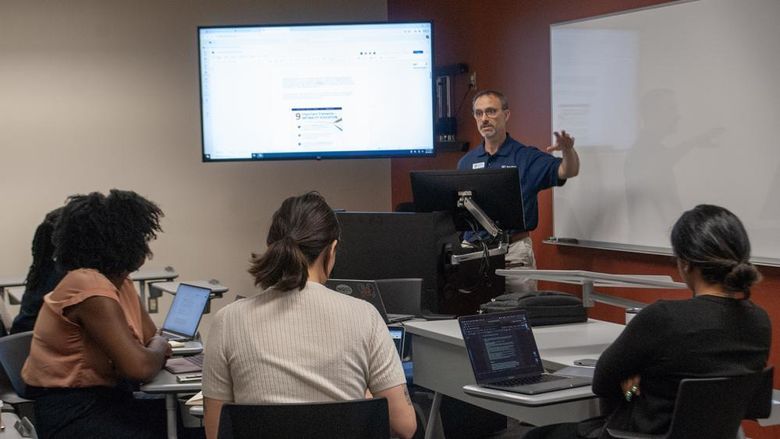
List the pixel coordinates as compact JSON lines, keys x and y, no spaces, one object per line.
{"x":386,"y":245}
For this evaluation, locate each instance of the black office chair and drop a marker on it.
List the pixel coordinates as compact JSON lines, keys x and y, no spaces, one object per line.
{"x":14,"y":350}
{"x":713,"y":408}
{"x":359,"y":419}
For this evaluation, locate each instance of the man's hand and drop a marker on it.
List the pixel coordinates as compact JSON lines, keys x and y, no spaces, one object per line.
{"x":570,"y":166}
{"x":563,"y":142}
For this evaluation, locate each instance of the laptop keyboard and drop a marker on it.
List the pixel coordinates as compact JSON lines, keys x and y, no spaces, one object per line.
{"x":196,"y":359}
{"x":528,"y":380}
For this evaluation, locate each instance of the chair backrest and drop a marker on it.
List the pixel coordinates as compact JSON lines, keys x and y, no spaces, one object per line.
{"x":14,"y":350}
{"x":714,"y":408}
{"x":401,"y":296}
{"x":359,"y":419}
{"x":761,"y":405}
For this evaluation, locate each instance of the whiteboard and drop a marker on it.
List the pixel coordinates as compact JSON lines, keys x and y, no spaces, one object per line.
{"x":671,"y":106}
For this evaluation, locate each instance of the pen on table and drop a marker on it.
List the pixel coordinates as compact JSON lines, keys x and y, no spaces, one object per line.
{"x":2,"y":424}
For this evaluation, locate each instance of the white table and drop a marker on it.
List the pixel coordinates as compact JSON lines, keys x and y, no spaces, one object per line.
{"x":12,"y":296}
{"x":146,"y":276}
{"x":7,"y":282}
{"x":165,"y":382}
{"x":441,"y":365}
{"x":217,"y":289}
{"x":590,"y":279}
{"x":539,"y":400}
{"x":11,"y":281}
{"x":9,"y":422}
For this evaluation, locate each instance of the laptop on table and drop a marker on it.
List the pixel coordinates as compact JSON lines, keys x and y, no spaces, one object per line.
{"x":504,"y":355}
{"x":181,"y":322}
{"x":367,"y":290}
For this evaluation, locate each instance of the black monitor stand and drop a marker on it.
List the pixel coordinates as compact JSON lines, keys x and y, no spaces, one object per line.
{"x":465,"y":200}
{"x":491,"y":197}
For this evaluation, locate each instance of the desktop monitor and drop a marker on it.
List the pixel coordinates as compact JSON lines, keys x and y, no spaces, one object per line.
{"x":316,"y":91}
{"x":496,"y":191}
{"x":392,"y":245}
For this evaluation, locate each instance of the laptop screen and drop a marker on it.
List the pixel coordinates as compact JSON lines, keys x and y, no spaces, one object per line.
{"x":501,"y":346}
{"x":186,"y":310}
{"x":361,"y":289}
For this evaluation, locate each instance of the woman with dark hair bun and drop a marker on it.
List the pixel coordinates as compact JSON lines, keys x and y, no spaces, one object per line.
{"x":718,"y":332}
{"x":714,"y":241}
{"x":298,"y":341}
{"x":93,"y":340}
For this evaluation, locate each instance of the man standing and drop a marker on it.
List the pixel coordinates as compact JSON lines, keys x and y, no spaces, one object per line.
{"x":538,"y":171}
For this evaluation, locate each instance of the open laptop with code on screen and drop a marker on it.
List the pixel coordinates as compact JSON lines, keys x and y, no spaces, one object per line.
{"x":504,"y":355}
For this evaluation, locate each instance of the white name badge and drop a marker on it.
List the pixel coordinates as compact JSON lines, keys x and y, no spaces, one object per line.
{"x":480,"y":165}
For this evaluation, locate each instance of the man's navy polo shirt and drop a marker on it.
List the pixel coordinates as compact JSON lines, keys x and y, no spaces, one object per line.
{"x":537,"y":169}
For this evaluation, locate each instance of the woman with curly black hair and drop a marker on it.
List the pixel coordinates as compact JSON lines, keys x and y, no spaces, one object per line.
{"x":93,"y":339}
{"x":43,"y":275}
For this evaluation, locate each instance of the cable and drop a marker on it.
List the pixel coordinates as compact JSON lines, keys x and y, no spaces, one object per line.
{"x":483,"y":272}
{"x":463,"y":99}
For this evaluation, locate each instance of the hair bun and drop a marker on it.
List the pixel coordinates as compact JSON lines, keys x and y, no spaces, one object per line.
{"x":741,"y":277}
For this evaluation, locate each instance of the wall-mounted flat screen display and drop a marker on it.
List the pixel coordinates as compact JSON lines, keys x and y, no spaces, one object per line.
{"x":283,"y":92}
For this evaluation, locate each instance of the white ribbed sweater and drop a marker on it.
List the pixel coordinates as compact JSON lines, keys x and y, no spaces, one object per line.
{"x":304,"y":345}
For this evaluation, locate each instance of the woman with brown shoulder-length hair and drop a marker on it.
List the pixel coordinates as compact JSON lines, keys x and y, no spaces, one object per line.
{"x":298,"y":341}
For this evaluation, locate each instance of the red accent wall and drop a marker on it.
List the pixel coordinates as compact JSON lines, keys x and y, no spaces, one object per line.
{"x":506,"y":42}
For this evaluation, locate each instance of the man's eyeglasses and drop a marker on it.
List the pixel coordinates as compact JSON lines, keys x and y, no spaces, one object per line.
{"x":489,"y":112}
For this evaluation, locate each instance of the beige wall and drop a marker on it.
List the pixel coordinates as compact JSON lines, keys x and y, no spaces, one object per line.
{"x":97,"y":94}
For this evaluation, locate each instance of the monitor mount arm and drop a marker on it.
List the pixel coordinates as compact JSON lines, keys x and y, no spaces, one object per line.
{"x":465,"y":201}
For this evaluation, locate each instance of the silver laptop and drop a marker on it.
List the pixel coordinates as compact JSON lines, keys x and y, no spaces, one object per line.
{"x":189,"y":303}
{"x":367,"y":290}
{"x":504,"y":355}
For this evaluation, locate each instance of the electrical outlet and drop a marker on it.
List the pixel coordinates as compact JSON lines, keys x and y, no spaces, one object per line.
{"x":473,"y":80}
{"x":152,"y":305}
